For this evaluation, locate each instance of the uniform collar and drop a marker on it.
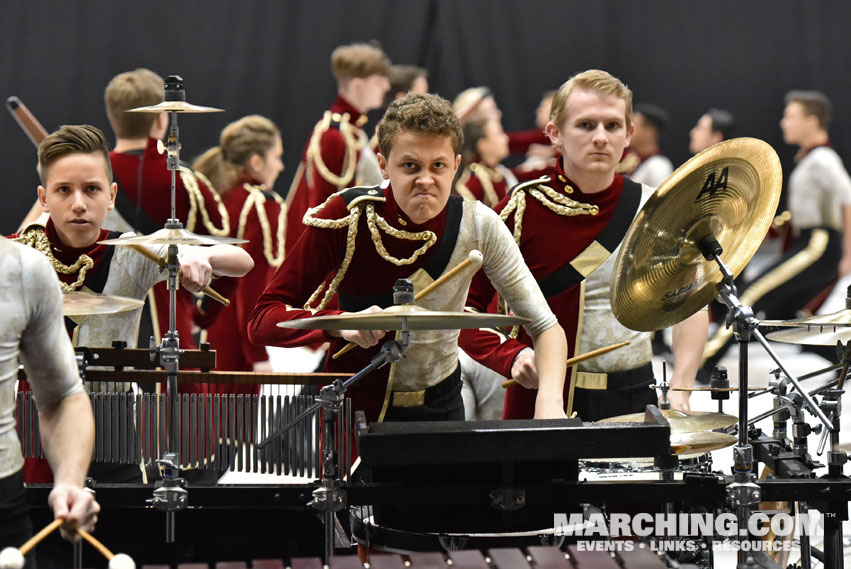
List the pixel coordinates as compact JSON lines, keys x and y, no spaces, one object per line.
{"x":564,"y":185}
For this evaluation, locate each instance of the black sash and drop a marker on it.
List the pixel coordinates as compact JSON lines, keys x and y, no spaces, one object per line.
{"x":568,"y":275}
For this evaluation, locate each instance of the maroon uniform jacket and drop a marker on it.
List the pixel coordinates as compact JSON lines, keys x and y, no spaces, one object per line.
{"x":368,"y":281}
{"x":144,"y":201}
{"x":519,"y":141}
{"x":255,"y":214}
{"x":482,"y":183}
{"x":328,"y":164}
{"x":554,"y":247}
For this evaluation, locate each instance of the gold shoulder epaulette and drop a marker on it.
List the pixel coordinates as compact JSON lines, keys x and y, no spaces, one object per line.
{"x":529,"y":183}
{"x":314,"y":152}
{"x":361,"y":194}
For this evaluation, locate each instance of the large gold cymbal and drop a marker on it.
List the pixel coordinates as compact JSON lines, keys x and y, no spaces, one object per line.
{"x":729,"y":191}
{"x":700,"y":442}
{"x":391,"y":318}
{"x":812,"y":335}
{"x":79,"y":303}
{"x":682,"y":421}
{"x":175,"y":106}
{"x":172,"y":237}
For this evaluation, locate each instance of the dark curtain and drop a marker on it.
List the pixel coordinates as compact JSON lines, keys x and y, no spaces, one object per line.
{"x":272,"y":57}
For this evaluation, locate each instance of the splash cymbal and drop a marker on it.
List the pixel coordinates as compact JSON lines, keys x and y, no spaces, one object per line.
{"x":391,"y":318}
{"x":700,"y":442}
{"x":79,"y":303}
{"x":682,"y":421}
{"x":729,"y":191}
{"x":172,"y":237}
{"x":175,"y":107}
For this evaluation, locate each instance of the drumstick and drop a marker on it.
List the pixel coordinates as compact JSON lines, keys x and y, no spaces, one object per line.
{"x":162,"y":264}
{"x":26,"y":120}
{"x":473,"y":259}
{"x":580,"y":358}
{"x":45,"y":531}
{"x":116,"y":560}
{"x":96,"y":543}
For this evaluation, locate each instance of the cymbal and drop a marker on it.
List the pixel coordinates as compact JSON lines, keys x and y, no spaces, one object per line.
{"x":700,"y":442}
{"x":172,"y":237}
{"x":391,"y":319}
{"x":176,"y":107}
{"x":729,"y":191}
{"x":682,"y":421}
{"x":78,"y":303}
{"x":812,"y":335}
{"x":840,"y":318}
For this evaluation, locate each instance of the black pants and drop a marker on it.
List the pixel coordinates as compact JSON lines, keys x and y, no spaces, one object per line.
{"x":626,"y":392}
{"x":443,"y":402}
{"x":15,"y":525}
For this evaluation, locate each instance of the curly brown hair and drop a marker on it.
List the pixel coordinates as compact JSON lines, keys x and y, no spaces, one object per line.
{"x":72,"y":139}
{"x":423,"y":113}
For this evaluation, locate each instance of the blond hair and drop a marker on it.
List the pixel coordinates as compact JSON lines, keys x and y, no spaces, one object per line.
{"x":72,"y":139}
{"x":358,"y":60}
{"x":239,"y":141}
{"x":138,"y":88}
{"x":422,"y":113}
{"x":594,"y":81}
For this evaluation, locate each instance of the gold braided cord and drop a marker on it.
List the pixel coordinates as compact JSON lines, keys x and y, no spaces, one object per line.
{"x":314,"y":152}
{"x":257,"y":200}
{"x":35,"y":237}
{"x":376,"y":222}
{"x":559,"y":203}
{"x":486,"y":177}
{"x":196,"y":203}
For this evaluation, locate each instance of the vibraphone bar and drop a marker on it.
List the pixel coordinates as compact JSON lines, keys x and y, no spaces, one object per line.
{"x":216,"y":432}
{"x":504,"y":558}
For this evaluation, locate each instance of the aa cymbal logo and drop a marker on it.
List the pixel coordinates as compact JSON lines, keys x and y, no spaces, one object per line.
{"x":712,"y":184}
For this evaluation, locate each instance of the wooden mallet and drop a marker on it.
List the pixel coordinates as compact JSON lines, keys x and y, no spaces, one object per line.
{"x":579,"y":358}
{"x":145,"y":252}
{"x":474,"y":259}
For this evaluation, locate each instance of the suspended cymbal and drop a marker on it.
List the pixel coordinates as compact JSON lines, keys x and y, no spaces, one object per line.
{"x":840,"y":318}
{"x":391,"y":319}
{"x":175,"y":106}
{"x":700,"y":442}
{"x":729,"y":191}
{"x":682,"y":421}
{"x":172,"y":237}
{"x":78,"y":303}
{"x":812,"y":335}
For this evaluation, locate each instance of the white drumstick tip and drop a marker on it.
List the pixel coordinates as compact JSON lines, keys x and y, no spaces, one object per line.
{"x":122,"y":561}
{"x":11,"y":558}
{"x":476,"y":258}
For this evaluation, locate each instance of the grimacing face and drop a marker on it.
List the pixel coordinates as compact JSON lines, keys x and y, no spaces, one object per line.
{"x":78,"y":196}
{"x":421,"y":168}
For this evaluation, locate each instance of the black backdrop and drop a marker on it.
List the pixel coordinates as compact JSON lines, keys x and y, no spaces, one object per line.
{"x":272,"y":57}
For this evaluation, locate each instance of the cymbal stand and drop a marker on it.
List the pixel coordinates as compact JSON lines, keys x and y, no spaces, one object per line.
{"x":743,"y":492}
{"x":170,"y":494}
{"x":330,"y":497}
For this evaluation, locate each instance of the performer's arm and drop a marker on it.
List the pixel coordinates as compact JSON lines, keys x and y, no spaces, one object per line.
{"x":689,"y":339}
{"x":199,"y":264}
{"x":550,"y":358}
{"x":845,"y":262}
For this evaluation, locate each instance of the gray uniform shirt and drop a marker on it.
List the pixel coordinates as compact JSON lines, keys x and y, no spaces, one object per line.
{"x":818,"y":189}
{"x":32,"y":329}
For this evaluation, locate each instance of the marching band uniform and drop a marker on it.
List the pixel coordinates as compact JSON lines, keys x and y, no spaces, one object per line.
{"x":572,"y":260}
{"x":257,"y":215}
{"x":651,"y":170}
{"x":337,"y":155}
{"x":819,"y":188}
{"x":143,"y":204}
{"x":361,"y":242}
{"x":485,"y":184}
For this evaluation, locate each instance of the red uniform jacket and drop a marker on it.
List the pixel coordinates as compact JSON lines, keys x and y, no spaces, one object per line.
{"x":228,"y":333}
{"x":144,"y":201}
{"x":482,"y":183}
{"x":311,"y":185}
{"x":549,"y":242}
{"x":368,"y":281}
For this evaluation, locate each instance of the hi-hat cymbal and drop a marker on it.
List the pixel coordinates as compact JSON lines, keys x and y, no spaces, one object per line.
{"x":172,"y":237}
{"x":78,"y":303}
{"x":840,"y":318}
{"x":812,"y":335}
{"x":682,"y":421}
{"x":175,"y":106}
{"x":391,"y":319}
{"x":729,"y":191}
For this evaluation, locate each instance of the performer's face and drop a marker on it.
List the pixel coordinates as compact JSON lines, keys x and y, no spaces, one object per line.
{"x":593,"y":135}
{"x":796,"y":124}
{"x":77,"y":195}
{"x":420,"y":168}
{"x":702,"y":136}
{"x":265,"y":169}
